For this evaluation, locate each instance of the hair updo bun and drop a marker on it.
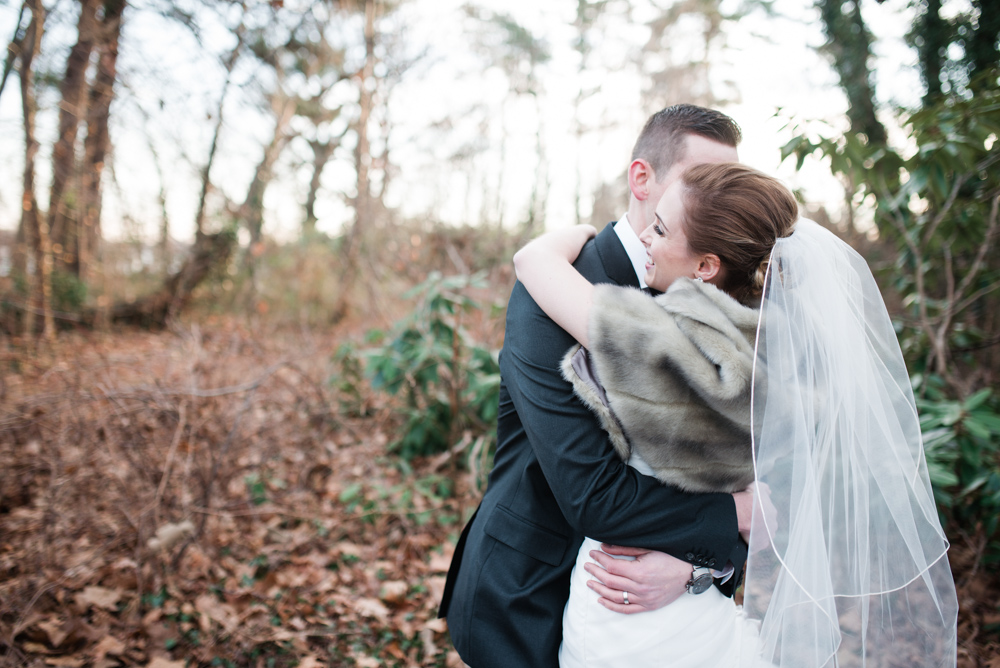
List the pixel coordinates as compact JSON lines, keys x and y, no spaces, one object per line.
{"x":760,"y":274}
{"x":737,"y":213}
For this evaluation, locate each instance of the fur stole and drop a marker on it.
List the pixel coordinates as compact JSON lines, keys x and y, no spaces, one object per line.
{"x":670,"y":376}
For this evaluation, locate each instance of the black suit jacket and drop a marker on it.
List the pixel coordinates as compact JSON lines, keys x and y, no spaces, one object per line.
{"x":555,"y":480}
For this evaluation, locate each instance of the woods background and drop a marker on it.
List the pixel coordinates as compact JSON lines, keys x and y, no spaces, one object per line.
{"x":251,"y":297}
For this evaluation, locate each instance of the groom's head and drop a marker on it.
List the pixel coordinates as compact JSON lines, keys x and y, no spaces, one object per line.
{"x":672,"y":140}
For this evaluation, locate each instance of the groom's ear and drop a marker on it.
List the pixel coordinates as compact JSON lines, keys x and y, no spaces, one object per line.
{"x":640,"y":177}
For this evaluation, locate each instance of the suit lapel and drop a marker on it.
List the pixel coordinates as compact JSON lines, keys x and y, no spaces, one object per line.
{"x":614,"y":258}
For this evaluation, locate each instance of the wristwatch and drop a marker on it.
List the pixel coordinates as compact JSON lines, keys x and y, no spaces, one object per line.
{"x":701,"y":581}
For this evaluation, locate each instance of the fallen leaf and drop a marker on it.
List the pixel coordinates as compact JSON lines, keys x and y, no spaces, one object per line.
{"x":393,"y":591}
{"x":160,"y":662}
{"x":427,"y":640}
{"x":99,"y":597}
{"x":371,"y":607}
{"x":221,"y":613}
{"x":54,"y":629}
{"x":440,"y":563}
{"x":393,"y":648}
{"x":65,"y":661}
{"x":347,"y":548}
{"x":310,"y":661}
{"x":437,"y":625}
{"x":169,"y":535}
{"x":108,"y":645}
{"x":35,"y":648}
{"x":453,"y":660}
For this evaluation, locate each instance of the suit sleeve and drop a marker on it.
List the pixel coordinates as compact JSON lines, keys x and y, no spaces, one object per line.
{"x":600,"y":495}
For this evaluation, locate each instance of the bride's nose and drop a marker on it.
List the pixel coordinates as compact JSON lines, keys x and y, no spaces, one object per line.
{"x":644,"y":237}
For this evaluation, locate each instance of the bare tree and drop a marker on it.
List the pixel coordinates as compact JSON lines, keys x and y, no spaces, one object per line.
{"x":34,"y":227}
{"x":98,"y":139}
{"x":73,"y":90}
{"x":520,"y":54}
{"x":676,"y":59}
{"x":15,"y":46}
{"x":206,"y":173}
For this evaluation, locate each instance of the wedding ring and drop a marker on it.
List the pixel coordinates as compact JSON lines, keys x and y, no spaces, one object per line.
{"x":625,"y":597}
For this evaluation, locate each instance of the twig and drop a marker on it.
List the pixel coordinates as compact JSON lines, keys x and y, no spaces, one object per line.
{"x":211,"y":393}
{"x":939,"y":218}
{"x":210,"y":482}
{"x":277,"y":510}
{"x":175,"y":441}
{"x":987,"y":242}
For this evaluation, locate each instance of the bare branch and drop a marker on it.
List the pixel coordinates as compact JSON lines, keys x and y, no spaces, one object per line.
{"x":14,"y":48}
{"x":918,"y":273}
{"x":977,"y":264}
{"x":966,"y":303}
{"x":943,"y":212}
{"x":941,"y":337}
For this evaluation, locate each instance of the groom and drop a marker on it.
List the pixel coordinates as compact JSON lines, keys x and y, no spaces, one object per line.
{"x":556,"y":478}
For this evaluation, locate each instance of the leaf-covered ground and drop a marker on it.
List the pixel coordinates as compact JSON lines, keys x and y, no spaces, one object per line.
{"x":206,"y":497}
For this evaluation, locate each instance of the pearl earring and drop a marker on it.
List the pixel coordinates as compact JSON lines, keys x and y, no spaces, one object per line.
{"x":698,"y":279}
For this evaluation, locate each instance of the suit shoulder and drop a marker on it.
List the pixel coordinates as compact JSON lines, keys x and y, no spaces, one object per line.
{"x":589,"y":264}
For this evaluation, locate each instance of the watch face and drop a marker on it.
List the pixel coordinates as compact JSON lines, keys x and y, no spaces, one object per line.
{"x":700,"y":584}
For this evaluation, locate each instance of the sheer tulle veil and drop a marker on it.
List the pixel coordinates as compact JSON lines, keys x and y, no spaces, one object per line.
{"x":853,"y":568}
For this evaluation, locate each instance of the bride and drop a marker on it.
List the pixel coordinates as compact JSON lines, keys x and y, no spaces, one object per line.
{"x":769,"y":360}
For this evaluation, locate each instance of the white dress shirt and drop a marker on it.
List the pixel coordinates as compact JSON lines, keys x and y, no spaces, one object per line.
{"x":636,"y":251}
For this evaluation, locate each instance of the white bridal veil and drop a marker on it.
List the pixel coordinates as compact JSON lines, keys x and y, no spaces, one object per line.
{"x":854,"y":571}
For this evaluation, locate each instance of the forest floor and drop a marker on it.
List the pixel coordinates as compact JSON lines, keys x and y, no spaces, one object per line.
{"x":205,"y":496}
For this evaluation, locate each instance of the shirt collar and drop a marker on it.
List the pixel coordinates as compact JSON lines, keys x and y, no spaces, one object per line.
{"x":633,"y":247}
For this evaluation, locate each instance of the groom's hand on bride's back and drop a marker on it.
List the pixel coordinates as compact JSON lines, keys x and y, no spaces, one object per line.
{"x":652,"y":580}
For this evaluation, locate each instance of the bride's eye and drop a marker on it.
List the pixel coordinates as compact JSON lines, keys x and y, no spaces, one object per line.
{"x":658,"y":229}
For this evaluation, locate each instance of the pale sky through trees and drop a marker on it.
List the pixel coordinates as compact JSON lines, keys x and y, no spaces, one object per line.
{"x":448,"y":114}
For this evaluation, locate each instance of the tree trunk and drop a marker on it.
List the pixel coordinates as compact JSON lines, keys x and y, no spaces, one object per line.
{"x":849,"y":42}
{"x":14,"y":48}
{"x":64,"y":212}
{"x":362,"y":153}
{"x":156,"y":310}
{"x":98,"y":140}
{"x":933,"y":35}
{"x":252,"y":210}
{"x":322,"y":152}
{"x":362,"y":162}
{"x":540,"y":185}
{"x":34,"y":226}
{"x":982,"y":49}
{"x":206,"y":182}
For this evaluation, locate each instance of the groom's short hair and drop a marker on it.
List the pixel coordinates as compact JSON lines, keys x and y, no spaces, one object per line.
{"x":661,"y":142}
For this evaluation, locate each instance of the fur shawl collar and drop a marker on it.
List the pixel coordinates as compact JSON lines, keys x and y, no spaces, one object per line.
{"x":670,"y":377}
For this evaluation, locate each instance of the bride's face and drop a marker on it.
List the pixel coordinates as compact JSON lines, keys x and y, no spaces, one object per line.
{"x":667,"y":254}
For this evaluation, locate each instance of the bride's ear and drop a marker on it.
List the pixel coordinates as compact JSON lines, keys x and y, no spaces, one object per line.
{"x":709,"y":267}
{"x":640,"y":176}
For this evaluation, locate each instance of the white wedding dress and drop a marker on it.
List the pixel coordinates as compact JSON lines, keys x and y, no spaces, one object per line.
{"x":695,"y":631}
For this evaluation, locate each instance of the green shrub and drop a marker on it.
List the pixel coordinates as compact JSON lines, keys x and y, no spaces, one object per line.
{"x":448,"y":384}
{"x":962,"y":440}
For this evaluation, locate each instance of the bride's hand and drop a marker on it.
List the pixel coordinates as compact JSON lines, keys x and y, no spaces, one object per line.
{"x":652,"y":580}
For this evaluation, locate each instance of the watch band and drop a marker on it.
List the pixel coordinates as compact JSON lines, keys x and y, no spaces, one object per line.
{"x":701,"y":580}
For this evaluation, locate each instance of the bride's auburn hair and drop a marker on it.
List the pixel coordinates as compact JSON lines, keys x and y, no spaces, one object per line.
{"x":737,"y":213}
